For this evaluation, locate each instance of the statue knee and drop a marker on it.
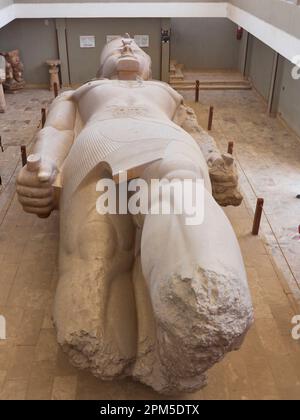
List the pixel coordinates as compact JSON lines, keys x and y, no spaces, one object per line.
{"x":173,"y":169}
{"x":98,"y":240}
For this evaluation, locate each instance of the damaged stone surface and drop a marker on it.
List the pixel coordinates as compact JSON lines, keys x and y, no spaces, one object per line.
{"x":222,"y":167}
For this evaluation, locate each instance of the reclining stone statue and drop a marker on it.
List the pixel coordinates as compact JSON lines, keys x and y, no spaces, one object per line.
{"x":144,"y":295}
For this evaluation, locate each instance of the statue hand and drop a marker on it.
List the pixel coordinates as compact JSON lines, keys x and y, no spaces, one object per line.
{"x":225,"y":181}
{"x":35,"y":191}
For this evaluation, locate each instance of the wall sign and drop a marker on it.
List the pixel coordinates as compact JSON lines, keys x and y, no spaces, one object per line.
{"x":110,"y":38}
{"x":142,"y":40}
{"x":87,"y":41}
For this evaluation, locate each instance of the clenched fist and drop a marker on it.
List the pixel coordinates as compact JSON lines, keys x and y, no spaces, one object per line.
{"x":34,"y":186}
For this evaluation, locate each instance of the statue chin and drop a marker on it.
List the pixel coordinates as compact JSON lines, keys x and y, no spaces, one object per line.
{"x":149,"y":297}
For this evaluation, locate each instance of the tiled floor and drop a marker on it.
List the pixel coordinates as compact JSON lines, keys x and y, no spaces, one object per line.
{"x":212,"y":76}
{"x":31,"y":364}
{"x":18,"y":127}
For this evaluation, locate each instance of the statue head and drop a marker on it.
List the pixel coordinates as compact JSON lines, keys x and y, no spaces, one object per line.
{"x":123,"y":59}
{"x":13,"y":57}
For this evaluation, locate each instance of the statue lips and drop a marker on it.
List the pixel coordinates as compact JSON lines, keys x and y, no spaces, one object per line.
{"x":128,"y":63}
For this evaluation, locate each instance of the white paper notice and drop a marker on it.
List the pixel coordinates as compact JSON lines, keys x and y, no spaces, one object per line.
{"x":111,"y":37}
{"x":88,"y":41}
{"x":142,"y":40}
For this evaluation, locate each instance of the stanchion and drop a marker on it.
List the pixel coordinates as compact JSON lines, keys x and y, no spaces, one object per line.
{"x":43,"y":117}
{"x":257,"y":216}
{"x":197,"y":90}
{"x":230,"y":147}
{"x":24,"y":155}
{"x":210,"y":118}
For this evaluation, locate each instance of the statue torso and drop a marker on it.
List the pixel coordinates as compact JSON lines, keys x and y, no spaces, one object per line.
{"x":109,"y":99}
{"x":126,"y":125}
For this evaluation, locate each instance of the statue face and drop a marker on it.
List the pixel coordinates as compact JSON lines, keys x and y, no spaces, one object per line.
{"x":123,"y":59}
{"x":13,"y":57}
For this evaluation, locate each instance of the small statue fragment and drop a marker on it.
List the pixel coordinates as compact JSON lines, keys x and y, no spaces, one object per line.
{"x":14,"y":72}
{"x":54,"y":73}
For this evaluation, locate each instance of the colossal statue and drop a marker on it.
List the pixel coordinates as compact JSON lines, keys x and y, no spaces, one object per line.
{"x":141,"y":295}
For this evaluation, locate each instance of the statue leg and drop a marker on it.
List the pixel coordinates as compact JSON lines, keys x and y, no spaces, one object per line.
{"x":94,"y":309}
{"x":200,"y":297}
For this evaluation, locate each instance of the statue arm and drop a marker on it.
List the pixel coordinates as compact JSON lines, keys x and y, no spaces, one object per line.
{"x":186,"y":118}
{"x":35,"y":189}
{"x":222,"y":167}
{"x":55,"y":140}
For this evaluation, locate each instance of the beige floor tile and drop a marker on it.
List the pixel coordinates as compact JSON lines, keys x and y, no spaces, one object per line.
{"x":30,"y":327}
{"x":14,"y":390}
{"x":217,"y":388}
{"x":41,"y":381}
{"x":7,"y":276}
{"x":21,"y":363}
{"x":47,"y":347}
{"x":63,"y":366}
{"x":3,"y":374}
{"x":64,"y":388}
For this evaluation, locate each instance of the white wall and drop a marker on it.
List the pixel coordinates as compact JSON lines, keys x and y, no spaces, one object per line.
{"x":289,"y":99}
{"x":4,"y":3}
{"x":287,"y":90}
{"x":205,"y":43}
{"x":84,"y":63}
{"x":36,"y":42}
{"x":282,"y":14}
{"x":259,"y":66}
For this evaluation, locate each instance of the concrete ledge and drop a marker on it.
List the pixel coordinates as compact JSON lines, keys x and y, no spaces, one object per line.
{"x":282,"y":42}
{"x":112,"y":10}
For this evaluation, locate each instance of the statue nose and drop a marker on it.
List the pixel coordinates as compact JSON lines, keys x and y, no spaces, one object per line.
{"x":127,"y":50}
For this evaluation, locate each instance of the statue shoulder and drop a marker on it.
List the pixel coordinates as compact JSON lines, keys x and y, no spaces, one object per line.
{"x":63,"y":97}
{"x":167,"y":88}
{"x":87,"y":87}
